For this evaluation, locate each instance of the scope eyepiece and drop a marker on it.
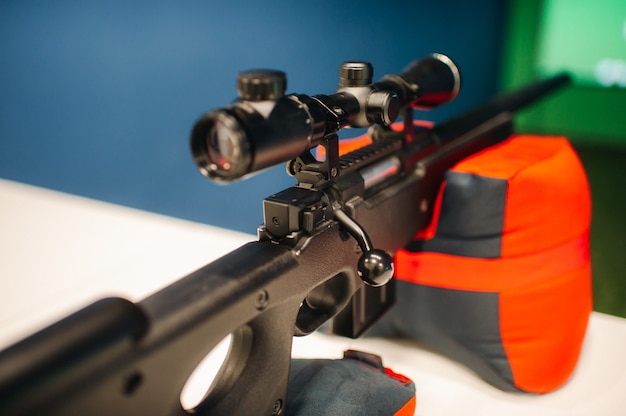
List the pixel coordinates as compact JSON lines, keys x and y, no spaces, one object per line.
{"x":220,"y":147}
{"x":247,"y":137}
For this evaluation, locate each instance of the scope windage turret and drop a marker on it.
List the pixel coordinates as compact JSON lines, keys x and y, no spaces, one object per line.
{"x":265,"y":127}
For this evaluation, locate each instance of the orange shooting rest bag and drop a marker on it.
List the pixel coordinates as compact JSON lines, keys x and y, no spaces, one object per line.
{"x":501,"y":279}
{"x":357,"y":385}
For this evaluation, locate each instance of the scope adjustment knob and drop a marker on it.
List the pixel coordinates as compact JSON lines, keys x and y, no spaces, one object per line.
{"x":383,"y":107}
{"x":261,"y":85}
{"x":355,"y":74}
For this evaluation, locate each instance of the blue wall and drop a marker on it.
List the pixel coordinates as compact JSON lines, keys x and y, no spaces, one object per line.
{"x":98,"y":99}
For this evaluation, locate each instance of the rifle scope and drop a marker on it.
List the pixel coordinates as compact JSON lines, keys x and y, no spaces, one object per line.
{"x":264,"y":127}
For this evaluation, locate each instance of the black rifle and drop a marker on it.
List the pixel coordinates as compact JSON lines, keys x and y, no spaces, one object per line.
{"x":322,"y":252}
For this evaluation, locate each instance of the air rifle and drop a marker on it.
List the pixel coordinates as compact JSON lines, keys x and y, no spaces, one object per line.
{"x":323,"y":254}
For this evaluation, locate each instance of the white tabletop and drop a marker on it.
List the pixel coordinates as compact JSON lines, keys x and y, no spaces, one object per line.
{"x":60,"y":252}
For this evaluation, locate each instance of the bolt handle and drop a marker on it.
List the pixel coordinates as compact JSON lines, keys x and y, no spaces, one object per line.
{"x":375,"y":266}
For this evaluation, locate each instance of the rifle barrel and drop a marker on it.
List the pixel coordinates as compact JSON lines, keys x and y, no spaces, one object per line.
{"x":504,"y":103}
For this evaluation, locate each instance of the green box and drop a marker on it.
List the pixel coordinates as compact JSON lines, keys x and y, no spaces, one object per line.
{"x":585,"y":38}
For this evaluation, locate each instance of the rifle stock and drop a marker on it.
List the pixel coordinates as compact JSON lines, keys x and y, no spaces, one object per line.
{"x":124,"y":358}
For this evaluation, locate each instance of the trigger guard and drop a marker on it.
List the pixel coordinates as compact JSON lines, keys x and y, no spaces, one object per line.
{"x":323,"y":302}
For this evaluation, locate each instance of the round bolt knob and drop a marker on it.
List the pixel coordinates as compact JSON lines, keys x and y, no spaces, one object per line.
{"x":261,"y":85}
{"x":375,"y":267}
{"x":355,"y":74}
